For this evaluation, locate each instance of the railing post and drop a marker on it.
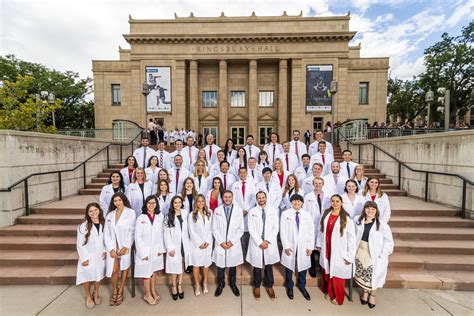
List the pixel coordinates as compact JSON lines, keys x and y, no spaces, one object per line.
{"x":84,"y":174}
{"x":27,"y":198}
{"x":60,"y":186}
{"x":108,"y":157}
{"x":463,"y":202}
{"x":399,"y":175}
{"x":426,"y":186}
{"x":359,"y":153}
{"x":373,"y":155}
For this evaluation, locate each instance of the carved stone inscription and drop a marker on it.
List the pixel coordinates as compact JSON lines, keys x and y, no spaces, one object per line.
{"x":229,"y":49}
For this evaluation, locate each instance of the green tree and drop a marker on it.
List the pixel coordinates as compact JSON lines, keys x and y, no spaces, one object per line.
{"x":20,"y":110}
{"x":66,"y":86}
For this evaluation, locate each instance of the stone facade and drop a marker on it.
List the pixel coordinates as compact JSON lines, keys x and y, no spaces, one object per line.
{"x":250,"y":54}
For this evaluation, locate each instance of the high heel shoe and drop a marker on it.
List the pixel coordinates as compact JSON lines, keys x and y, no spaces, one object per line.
{"x":180,"y":294}
{"x":197,"y":290}
{"x":205,"y":290}
{"x":370,"y":304}
{"x":174,"y":295}
{"x":361,"y":300}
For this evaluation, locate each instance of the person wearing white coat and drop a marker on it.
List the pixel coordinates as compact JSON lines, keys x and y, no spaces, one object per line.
{"x":164,"y":196}
{"x":352,"y":202}
{"x":292,"y":187}
{"x":178,"y":174}
{"x":263,"y":225}
{"x":374,"y":245}
{"x":118,"y":238}
{"x":304,"y":170}
{"x":297,"y":146}
{"x":91,"y":251}
{"x":373,"y":193}
{"x":279,"y":174}
{"x":227,"y":178}
{"x":201,"y":177}
{"x":163,"y":156}
{"x":150,"y":247}
{"x":227,"y":229}
{"x":114,"y":185}
{"x":313,"y":148}
{"x":189,"y":194}
{"x":143,"y":154}
{"x":360,"y":178}
{"x":290,"y":160}
{"x":297,"y":239}
{"x":271,"y":188}
{"x":253,"y":171}
{"x":139,"y":190}
{"x":200,"y":243}
{"x":128,"y":170}
{"x":176,"y":238}
{"x":336,"y":244}
{"x":152,"y":170}
{"x":211,"y":149}
{"x":273,"y":148}
{"x":250,"y":148}
{"x":335,"y":181}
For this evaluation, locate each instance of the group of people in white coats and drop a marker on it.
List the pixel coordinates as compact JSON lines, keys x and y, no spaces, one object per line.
{"x":185,"y":210}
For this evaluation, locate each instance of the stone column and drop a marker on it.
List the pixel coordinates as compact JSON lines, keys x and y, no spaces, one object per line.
{"x":222,"y":104}
{"x":193,"y":96}
{"x":253,"y":98}
{"x":283,"y":99}
{"x":298,"y":88}
{"x":179,"y":95}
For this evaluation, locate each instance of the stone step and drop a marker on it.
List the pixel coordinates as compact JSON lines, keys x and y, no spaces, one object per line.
{"x":430,"y":212}
{"x":432,"y":261}
{"x":375,"y":174}
{"x":37,"y":243}
{"x":103,"y":181}
{"x":89,"y":191}
{"x":453,"y":247}
{"x":429,"y":221}
{"x":393,"y":192}
{"x":51,"y":219}
{"x":95,"y":185}
{"x":38,"y":257}
{"x":39,"y":230}
{"x":103,"y":175}
{"x":430,"y":233}
{"x":57,"y":210}
{"x":117,"y":165}
{"x":430,"y":279}
{"x":110,"y":170}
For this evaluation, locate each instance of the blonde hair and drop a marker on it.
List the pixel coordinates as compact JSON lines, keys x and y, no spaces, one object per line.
{"x":354,"y":176}
{"x":205,"y":173}
{"x":274,"y":163}
{"x":367,"y":189}
{"x":134,"y":176}
{"x":202,"y":158}
{"x":287,"y":186}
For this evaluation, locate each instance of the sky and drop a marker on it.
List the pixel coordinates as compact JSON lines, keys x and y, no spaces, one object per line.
{"x":68,"y":35}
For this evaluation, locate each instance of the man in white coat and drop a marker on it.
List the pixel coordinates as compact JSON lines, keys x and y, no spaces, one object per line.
{"x":214,"y":169}
{"x":348,"y":166}
{"x":251,"y":149}
{"x":335,"y":181}
{"x":289,"y":159}
{"x":163,"y":156}
{"x":297,"y":238}
{"x":297,"y":147}
{"x":227,"y":229}
{"x":273,"y":148}
{"x":227,"y":178}
{"x":271,"y":188}
{"x":143,"y":154}
{"x":177,"y":175}
{"x":317,"y":171}
{"x":263,"y":222}
{"x":211,"y":149}
{"x":313,"y":148}
{"x":178,"y":145}
{"x":303,"y":171}
{"x":253,"y":171}
{"x":190,"y":150}
{"x":324,"y":158}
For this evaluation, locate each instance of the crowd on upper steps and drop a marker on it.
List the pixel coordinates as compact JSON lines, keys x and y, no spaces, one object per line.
{"x":198,"y":206}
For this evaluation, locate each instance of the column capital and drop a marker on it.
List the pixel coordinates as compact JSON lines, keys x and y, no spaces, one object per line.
{"x":193,"y":64}
{"x":283,"y":63}
{"x":252,"y":63}
{"x":222,"y":63}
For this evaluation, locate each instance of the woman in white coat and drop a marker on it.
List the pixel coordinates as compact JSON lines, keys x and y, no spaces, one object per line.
{"x":297,"y":239}
{"x":118,"y":238}
{"x":279,"y":174}
{"x":114,"y":185}
{"x":373,"y":193}
{"x":239,"y":161}
{"x":263,"y":162}
{"x":139,"y":190}
{"x":177,"y":245}
{"x":128,"y":169}
{"x":149,"y":243}
{"x":201,"y":177}
{"x":152,"y":170}
{"x":189,"y":193}
{"x":229,"y":151}
{"x":200,"y":243}
{"x":360,"y":178}
{"x":352,"y":202}
{"x":374,"y":246}
{"x":164,"y":196}
{"x":336,"y":244}
{"x":214,"y":195}
{"x":292,"y":187}
{"x":91,"y":250}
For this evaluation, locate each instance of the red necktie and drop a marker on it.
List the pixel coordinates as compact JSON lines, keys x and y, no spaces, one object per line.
{"x":287,"y":164}
{"x":324,"y":160}
{"x":296,"y":150}
{"x":225,"y":182}
{"x":243,"y":190}
{"x":210,"y":153}
{"x":177,"y":179}
{"x":274,"y":148}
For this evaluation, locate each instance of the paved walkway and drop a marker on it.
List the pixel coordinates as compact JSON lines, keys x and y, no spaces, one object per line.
{"x":68,"y":300}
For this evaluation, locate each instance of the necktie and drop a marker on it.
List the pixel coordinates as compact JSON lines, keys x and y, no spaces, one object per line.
{"x":287,"y":164}
{"x":161,"y":159}
{"x":253,"y":174}
{"x":306,"y":169}
{"x":348,"y":171}
{"x":250,"y":151}
{"x":268,"y":188}
{"x":298,"y":220}
{"x":210,"y":153}
{"x":190,"y":156}
{"x":243,"y":190}
{"x":296,"y":150}
{"x":199,"y":179}
{"x":274,"y":148}
{"x":177,"y":180}
{"x":225,"y":182}
{"x":335,"y":179}
{"x":226,"y":209}
{"x":144,"y":157}
{"x":319,"y":202}
{"x":324,"y":160}
{"x":264,"y":217}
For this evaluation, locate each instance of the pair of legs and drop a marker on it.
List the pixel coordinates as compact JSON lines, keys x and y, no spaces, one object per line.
{"x":334,"y":287}
{"x":268,"y":280}
{"x":196,"y":272}
{"x":368,"y":296}
{"x":87,"y":289}
{"x":117,"y":291}
{"x":221,"y":276}
{"x":177,"y":281}
{"x":289,"y":279}
{"x":149,"y":288}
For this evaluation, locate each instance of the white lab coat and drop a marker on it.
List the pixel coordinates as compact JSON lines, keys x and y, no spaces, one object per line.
{"x":361,"y":185}
{"x":274,"y":193}
{"x":285,"y":200}
{"x":261,"y":166}
{"x":313,"y":148}
{"x":311,"y":205}
{"x":301,"y":174}
{"x":384,"y":205}
{"x":235,"y":166}
{"x":354,"y":209}
{"x":352,"y":166}
{"x":301,"y":149}
{"x":330,"y":186}
{"x":118,"y":235}
{"x":140,"y":152}
{"x":252,"y":151}
{"x":182,"y":153}
{"x":298,"y":240}
{"x":255,"y":174}
{"x":106,"y":196}
{"x":189,"y":208}
{"x":342,"y":248}
{"x":126,"y":179}
{"x":230,"y":156}
{"x":328,"y":159}
{"x":174,"y":236}
{"x":257,"y":256}
{"x":215,"y":149}
{"x":166,"y":159}
{"x":152,"y":175}
{"x":380,"y":247}
{"x":269,"y":150}
{"x":92,"y":251}
{"x":293,"y":161}
{"x":214,"y":170}
{"x":231,"y":257}
{"x":183,"y":174}
{"x":149,"y":243}
{"x":199,"y":233}
{"x":277,"y":179}
{"x":137,"y":197}
{"x":194,"y":153}
{"x":229,"y":180}
{"x":246,"y":202}
{"x":204,"y":187}
{"x":165,"y":203}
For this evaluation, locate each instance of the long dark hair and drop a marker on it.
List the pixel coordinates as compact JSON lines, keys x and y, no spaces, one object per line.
{"x":88,"y":220}
{"x":148,"y":199}
{"x":122,"y":196}
{"x":158,"y":190}
{"x":226,"y":149}
{"x":135,"y":165}
{"x":245,"y":156}
{"x":363,"y":215}
{"x":121,"y":184}
{"x":149,"y":161}
{"x":342,"y":214}
{"x":221,"y":187}
{"x":206,"y":210}
{"x":172,"y":212}
{"x":263,"y":152}
{"x":183,"y":190}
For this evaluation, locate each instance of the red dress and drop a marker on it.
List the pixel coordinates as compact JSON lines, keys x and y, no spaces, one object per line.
{"x":280,"y":177}
{"x":373,"y":197}
{"x":213,"y":203}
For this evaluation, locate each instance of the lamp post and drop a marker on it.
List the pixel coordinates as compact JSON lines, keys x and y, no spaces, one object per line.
{"x":429,"y":97}
{"x":333,"y":90}
{"x":51,"y":99}
{"x":445,"y":99}
{"x":145,"y":91}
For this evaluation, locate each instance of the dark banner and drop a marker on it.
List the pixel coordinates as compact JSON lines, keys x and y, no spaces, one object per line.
{"x":318,"y":82}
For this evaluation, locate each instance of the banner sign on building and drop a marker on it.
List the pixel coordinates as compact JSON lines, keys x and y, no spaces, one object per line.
{"x":318,"y":82}
{"x":159,"y":84}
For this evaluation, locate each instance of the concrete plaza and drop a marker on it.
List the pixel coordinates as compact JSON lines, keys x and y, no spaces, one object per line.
{"x":64,"y":299}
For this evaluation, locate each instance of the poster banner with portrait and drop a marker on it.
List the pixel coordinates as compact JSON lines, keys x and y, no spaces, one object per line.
{"x":318,"y":82}
{"x":159,"y":85}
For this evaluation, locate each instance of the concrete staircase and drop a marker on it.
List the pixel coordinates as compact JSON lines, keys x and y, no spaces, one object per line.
{"x":434,"y":247}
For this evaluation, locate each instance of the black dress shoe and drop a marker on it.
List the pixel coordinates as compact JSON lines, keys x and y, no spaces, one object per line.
{"x":181,"y":295}
{"x":289,"y":292}
{"x":188,"y":270}
{"x":235,"y":289}
{"x":305,"y":294}
{"x":218,"y":291}
{"x":312,"y":272}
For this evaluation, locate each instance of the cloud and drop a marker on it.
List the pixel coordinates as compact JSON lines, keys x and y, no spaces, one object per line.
{"x":364,"y":5}
{"x":462,"y":11}
{"x":406,"y":70}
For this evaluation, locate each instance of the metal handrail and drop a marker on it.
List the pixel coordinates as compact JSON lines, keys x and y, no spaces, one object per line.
{"x":401,"y":164}
{"x":60,"y":172}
